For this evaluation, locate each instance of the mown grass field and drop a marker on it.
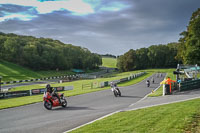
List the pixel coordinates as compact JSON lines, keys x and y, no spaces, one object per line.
{"x":10,"y":71}
{"x":109,"y":62}
{"x":180,"y":117}
{"x":13,"y":72}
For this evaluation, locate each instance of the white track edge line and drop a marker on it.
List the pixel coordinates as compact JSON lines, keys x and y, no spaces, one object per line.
{"x":147,"y":94}
{"x":164,"y":103}
{"x":92,"y":121}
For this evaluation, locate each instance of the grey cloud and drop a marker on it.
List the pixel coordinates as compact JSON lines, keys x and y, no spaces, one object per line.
{"x":144,"y":23}
{"x":9,"y":8}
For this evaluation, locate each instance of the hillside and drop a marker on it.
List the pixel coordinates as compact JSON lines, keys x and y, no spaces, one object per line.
{"x":45,"y":53}
{"x":109,"y":62}
{"x":13,"y":72}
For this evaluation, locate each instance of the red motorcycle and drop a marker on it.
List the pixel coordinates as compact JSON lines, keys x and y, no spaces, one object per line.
{"x":51,"y":101}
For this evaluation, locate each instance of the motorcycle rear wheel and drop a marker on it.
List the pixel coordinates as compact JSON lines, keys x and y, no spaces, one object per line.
{"x":48,"y":105}
{"x":119,"y":92}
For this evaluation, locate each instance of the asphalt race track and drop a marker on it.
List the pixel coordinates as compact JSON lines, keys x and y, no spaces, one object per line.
{"x":81,"y":109}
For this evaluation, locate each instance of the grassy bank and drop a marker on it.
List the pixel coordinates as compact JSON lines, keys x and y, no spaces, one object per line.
{"x":13,"y":72}
{"x":172,"y":118}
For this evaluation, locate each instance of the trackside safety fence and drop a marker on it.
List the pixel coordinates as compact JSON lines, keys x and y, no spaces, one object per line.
{"x":189,"y":85}
{"x":4,"y":95}
{"x":93,"y":85}
{"x":47,"y":78}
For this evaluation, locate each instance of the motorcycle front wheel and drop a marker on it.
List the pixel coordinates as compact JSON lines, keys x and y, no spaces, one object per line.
{"x":115,"y":93}
{"x":64,"y":103}
{"x":48,"y":105}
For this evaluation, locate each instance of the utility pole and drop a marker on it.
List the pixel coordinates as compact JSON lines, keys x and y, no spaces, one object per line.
{"x":195,"y":71}
{"x":0,"y":83}
{"x":177,"y":75}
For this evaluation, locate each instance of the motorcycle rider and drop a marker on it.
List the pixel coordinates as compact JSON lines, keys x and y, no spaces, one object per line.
{"x":52,"y":92}
{"x":113,"y":85}
{"x":148,"y":83}
{"x":152,"y":80}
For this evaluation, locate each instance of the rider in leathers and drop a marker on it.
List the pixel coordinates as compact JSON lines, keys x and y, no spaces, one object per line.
{"x":52,"y":92}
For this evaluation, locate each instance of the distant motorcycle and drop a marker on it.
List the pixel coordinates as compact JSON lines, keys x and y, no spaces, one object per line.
{"x":148,"y":83}
{"x":116,"y":91}
{"x":50,"y":101}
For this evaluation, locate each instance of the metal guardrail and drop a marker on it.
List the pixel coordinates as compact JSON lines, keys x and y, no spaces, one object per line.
{"x":4,"y":95}
{"x":107,"y":83}
{"x":46,"y":78}
{"x":189,"y":85}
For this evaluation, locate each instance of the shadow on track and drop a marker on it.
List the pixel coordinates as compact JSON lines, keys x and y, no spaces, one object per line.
{"x":124,"y":96}
{"x":72,"y":108}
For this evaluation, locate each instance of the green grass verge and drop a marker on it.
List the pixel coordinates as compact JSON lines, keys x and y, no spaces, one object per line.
{"x":171,"y":118}
{"x":109,"y":62}
{"x":158,"y":92}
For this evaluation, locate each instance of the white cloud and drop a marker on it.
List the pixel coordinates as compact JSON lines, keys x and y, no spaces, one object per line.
{"x":75,"y":6}
{"x":19,"y":16}
{"x":114,"y":6}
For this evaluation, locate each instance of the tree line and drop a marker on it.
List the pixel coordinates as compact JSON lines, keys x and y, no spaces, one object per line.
{"x":156,"y":56}
{"x":186,"y":51}
{"x":45,"y":53}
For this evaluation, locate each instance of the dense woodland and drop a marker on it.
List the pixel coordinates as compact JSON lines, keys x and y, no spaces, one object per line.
{"x":45,"y":53}
{"x":186,"y":51}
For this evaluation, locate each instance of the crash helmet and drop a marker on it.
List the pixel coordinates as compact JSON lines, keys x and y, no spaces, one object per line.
{"x":48,"y":86}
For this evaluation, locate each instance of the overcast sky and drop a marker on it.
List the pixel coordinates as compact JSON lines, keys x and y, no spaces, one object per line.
{"x":102,"y":26}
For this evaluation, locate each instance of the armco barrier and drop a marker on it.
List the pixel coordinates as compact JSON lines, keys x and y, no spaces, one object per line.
{"x":4,"y":95}
{"x":104,"y":84}
{"x":124,"y":79}
{"x":14,"y":94}
{"x":189,"y":85}
{"x":88,"y":86}
{"x":30,"y":80}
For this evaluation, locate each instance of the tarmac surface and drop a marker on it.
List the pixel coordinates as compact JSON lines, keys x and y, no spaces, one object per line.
{"x":167,"y":99}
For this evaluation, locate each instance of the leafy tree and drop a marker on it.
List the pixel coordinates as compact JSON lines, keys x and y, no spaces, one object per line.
{"x":189,"y":50}
{"x":45,"y":53}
